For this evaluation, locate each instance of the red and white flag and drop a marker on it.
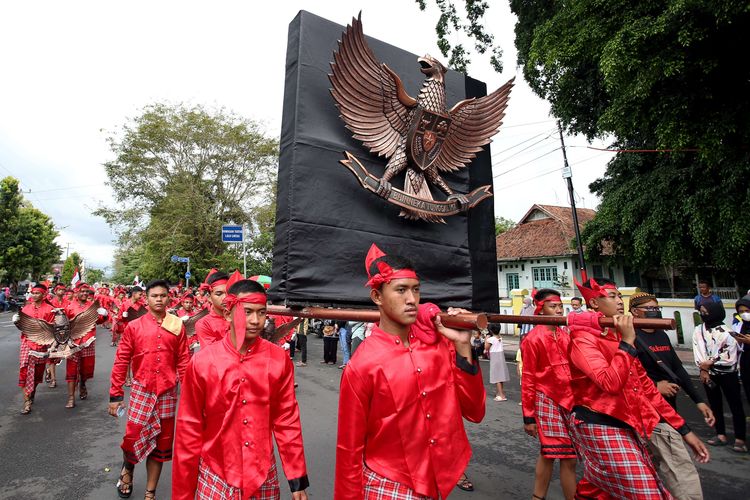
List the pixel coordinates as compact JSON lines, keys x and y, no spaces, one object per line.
{"x":136,"y":280}
{"x":76,"y":278}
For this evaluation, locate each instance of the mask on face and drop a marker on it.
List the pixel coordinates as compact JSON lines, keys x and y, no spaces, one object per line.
{"x":652,"y":314}
{"x":745,"y":316}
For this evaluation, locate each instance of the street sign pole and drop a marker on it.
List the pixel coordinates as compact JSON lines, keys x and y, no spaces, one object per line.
{"x":244,"y":254}
{"x":187,"y":274}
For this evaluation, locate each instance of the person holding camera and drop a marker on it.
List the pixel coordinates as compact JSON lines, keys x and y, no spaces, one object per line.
{"x":716,"y":355}
{"x":664,"y":367}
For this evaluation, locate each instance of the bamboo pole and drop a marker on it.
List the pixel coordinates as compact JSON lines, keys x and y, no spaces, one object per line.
{"x":648,"y":323}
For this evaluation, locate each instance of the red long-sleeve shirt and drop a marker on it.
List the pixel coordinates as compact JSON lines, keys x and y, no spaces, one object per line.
{"x":608,"y":378}
{"x":231,"y":406}
{"x":400,"y":411}
{"x":545,"y":369}
{"x":211,"y":328}
{"x":158,"y":357}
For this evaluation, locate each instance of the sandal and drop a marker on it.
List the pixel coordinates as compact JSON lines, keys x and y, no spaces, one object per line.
{"x":83,"y":392}
{"x":27,"y":402}
{"x":150,"y":495}
{"x":717,"y":442}
{"x":71,"y":402}
{"x":53,"y":384}
{"x":128,"y":490}
{"x":739,"y":448}
{"x":464,"y":483}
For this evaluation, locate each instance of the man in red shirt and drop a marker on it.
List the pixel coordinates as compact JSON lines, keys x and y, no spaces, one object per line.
{"x":31,"y":368}
{"x":404,"y":394}
{"x":58,"y":302}
{"x":616,"y":405}
{"x":238,"y":394}
{"x":213,"y":327}
{"x":80,"y":366}
{"x":547,"y":398}
{"x":156,"y":346}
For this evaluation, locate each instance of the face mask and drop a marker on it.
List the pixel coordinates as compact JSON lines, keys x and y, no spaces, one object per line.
{"x":652,"y":314}
{"x":745,"y":316}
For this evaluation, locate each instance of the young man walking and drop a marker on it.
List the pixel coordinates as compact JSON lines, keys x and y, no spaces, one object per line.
{"x":214,"y":326}
{"x":239,"y":395}
{"x":155,"y":345}
{"x":547,"y":398}
{"x":616,"y":407}
{"x":666,"y":370}
{"x":404,"y":395}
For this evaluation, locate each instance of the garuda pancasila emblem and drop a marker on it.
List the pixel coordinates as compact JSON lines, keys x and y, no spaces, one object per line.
{"x":60,"y":334}
{"x":420,"y":135}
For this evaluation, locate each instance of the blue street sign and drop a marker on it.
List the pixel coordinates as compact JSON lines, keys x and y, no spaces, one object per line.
{"x":187,"y":275}
{"x":231,"y":234}
{"x":175,"y":258}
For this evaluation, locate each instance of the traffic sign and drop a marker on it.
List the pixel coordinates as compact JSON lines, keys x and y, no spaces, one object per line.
{"x":187,"y":275}
{"x":175,"y":258}
{"x":231,"y":234}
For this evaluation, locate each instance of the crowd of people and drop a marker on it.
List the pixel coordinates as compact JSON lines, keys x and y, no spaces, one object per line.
{"x":601,"y":397}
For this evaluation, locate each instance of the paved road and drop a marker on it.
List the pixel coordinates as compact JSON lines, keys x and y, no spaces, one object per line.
{"x":55,"y":453}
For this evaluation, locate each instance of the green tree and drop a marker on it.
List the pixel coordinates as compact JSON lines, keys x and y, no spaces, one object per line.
{"x":27,"y":236}
{"x":70,"y":265}
{"x":469,"y":23}
{"x":178,"y":174}
{"x":94,"y":275}
{"x":502,"y":224}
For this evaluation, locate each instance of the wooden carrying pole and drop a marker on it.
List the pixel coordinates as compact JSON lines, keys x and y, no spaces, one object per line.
{"x":471,"y":321}
{"x":649,"y":323}
{"x":460,"y":321}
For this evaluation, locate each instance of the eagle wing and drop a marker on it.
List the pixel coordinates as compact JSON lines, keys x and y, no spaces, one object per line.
{"x":190,"y":323}
{"x":35,"y":329}
{"x":84,"y":321}
{"x":134,"y":314}
{"x":473,"y":123}
{"x":370,"y":96}
{"x":281,"y":331}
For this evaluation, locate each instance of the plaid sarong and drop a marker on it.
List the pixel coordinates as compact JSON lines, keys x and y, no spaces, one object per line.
{"x":146,"y":411}
{"x":378,"y":487}
{"x":615,"y":461}
{"x":27,"y":368}
{"x":89,"y":351}
{"x":553,"y":424}
{"x":212,"y":487}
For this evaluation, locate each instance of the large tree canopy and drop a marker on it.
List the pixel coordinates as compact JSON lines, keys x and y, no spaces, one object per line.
{"x":657,"y":76}
{"x":27,"y":236}
{"x":179,"y":173}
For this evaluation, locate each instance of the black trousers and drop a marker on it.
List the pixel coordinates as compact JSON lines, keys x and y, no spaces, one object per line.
{"x":330,"y":346}
{"x":729,"y":385}
{"x":292,"y":348}
{"x":302,"y":344}
{"x":745,"y":371}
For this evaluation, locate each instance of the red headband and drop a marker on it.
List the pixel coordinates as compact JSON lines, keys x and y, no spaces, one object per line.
{"x":386,"y":272}
{"x":38,"y":289}
{"x":540,"y":303}
{"x":595,"y":289}
{"x":239,"y":320}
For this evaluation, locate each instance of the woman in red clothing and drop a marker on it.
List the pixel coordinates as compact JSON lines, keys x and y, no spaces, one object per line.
{"x":404,"y":395}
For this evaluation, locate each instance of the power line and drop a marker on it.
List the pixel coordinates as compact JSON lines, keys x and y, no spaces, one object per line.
{"x":520,"y":143}
{"x":525,"y":163}
{"x":556,"y":169}
{"x":527,"y":124}
{"x":69,"y":187}
{"x":527,"y":148}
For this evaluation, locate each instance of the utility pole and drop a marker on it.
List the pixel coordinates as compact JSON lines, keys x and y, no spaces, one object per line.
{"x":67,"y":251}
{"x":568,"y":176}
{"x":244,"y":253}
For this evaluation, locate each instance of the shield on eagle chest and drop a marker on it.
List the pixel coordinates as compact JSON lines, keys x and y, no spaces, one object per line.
{"x":426,"y":136}
{"x":62,"y":328}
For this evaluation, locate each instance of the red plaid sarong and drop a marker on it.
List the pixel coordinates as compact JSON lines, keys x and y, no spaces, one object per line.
{"x":553,"y":426}
{"x":80,"y":366}
{"x":378,"y":487}
{"x":212,"y":487}
{"x":31,"y":369}
{"x":615,"y":461}
{"x":150,"y":425}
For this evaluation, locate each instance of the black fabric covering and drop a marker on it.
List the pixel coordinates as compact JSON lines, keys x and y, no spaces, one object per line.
{"x":326,"y":222}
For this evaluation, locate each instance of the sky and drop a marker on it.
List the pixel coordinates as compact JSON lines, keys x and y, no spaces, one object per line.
{"x":75,"y":72}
